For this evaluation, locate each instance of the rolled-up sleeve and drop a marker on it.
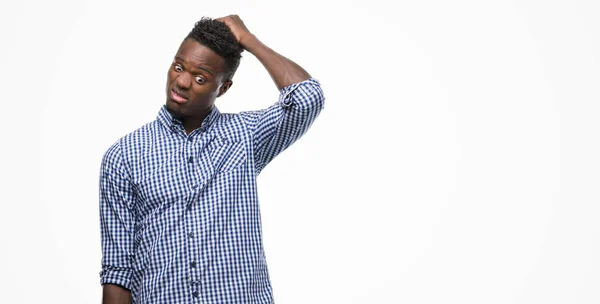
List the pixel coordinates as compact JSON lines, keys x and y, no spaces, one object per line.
{"x":274,"y":129}
{"x":117,"y":199}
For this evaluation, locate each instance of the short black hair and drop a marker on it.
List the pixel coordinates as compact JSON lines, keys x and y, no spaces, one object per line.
{"x":217,"y":36}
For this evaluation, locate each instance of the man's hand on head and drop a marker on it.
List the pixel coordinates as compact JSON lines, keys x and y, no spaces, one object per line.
{"x":283,"y":71}
{"x":237,"y":27}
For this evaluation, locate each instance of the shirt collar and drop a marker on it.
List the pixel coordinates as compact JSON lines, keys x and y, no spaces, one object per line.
{"x":170,"y":122}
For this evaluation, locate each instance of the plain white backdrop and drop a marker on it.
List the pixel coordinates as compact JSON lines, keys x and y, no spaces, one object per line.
{"x":456,"y":160}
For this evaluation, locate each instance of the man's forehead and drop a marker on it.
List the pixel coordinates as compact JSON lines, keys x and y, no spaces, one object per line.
{"x":195,"y":53}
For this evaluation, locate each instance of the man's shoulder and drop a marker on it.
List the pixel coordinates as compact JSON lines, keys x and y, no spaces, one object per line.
{"x":232,"y":125}
{"x":135,"y":138}
{"x":143,"y":133}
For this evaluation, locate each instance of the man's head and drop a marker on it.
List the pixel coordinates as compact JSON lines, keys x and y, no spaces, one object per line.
{"x":202,"y":69}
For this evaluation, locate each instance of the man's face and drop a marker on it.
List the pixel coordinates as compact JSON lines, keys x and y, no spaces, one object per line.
{"x":195,"y":80}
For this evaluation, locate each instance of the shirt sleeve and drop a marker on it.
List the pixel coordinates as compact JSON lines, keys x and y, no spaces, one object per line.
{"x":274,"y":129}
{"x":116,"y":220}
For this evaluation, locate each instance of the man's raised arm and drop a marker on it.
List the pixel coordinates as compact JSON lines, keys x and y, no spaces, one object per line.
{"x":300,"y":102}
{"x":283,"y":71}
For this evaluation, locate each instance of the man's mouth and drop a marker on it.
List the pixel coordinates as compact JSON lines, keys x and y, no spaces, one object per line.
{"x":179,"y":98}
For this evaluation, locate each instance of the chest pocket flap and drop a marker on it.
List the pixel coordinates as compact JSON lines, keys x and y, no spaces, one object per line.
{"x":227,"y":153}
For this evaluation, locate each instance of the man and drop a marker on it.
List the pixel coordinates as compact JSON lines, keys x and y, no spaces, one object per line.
{"x":179,"y":211}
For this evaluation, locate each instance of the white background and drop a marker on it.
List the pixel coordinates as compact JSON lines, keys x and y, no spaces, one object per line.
{"x":456,"y":160}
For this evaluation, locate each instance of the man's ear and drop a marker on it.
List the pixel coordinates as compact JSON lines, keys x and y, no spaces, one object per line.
{"x":225,"y":87}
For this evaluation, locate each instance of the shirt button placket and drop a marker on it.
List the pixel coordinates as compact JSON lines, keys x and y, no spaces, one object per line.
{"x":193,"y":266}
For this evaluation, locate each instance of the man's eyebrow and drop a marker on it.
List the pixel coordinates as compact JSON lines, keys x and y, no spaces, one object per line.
{"x":199,"y":67}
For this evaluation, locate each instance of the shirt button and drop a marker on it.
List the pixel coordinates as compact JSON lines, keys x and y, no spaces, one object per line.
{"x":191,"y":160}
{"x":193,"y":264}
{"x":191,"y":234}
{"x":190,"y":139}
{"x":195,"y":294}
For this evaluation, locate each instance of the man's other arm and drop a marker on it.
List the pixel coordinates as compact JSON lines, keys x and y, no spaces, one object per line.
{"x":116,"y":226}
{"x":115,"y":294}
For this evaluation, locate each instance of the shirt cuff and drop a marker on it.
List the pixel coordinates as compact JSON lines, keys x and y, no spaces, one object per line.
{"x":305,"y":94}
{"x":116,"y":275}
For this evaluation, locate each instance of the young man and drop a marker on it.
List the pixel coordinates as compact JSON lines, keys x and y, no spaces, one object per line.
{"x":179,"y":211}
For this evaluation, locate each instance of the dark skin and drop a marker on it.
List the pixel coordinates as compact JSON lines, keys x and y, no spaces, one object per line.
{"x":283,"y":71}
{"x":197,"y":76}
{"x":115,"y":294}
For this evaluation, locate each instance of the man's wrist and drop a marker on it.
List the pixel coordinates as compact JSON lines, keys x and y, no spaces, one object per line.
{"x":250,"y":42}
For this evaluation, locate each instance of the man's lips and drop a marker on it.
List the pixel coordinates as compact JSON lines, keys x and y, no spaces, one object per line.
{"x":177,"y":98}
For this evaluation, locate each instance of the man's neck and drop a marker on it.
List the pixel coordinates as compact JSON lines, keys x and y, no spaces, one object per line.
{"x":192,"y":123}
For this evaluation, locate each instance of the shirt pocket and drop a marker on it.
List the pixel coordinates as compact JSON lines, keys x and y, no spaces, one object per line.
{"x":227,"y":154}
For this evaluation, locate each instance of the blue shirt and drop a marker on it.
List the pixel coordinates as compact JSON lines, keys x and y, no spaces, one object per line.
{"x":179,"y":214}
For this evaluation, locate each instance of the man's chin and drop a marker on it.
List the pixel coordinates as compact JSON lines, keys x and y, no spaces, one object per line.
{"x":174,"y":108}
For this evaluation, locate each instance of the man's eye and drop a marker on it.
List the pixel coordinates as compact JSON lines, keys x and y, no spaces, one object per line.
{"x":199,"y":79}
{"x":178,"y":68}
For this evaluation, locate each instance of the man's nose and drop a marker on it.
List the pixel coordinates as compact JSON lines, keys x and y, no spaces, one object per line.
{"x":184,"y":80}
